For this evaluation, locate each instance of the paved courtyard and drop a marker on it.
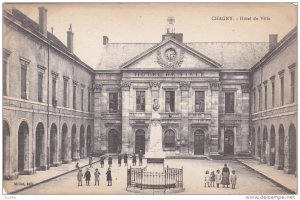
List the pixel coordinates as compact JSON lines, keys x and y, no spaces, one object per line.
{"x":249,"y":182}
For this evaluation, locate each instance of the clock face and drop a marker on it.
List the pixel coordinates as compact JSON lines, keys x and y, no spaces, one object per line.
{"x":170,"y":54}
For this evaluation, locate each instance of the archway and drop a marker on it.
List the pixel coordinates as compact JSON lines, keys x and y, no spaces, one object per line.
{"x":88,"y":140}
{"x":229,"y":142}
{"x":73,"y":142}
{"x":258,"y":144}
{"x":199,"y":140}
{"x":140,"y":141}
{"x":23,"y":147}
{"x":264,"y":144}
{"x":82,"y":142}
{"x":281,"y":147}
{"x":253,"y":142}
{"x":114,"y":141}
{"x":169,"y":139}
{"x":272,"y":146}
{"x":6,"y":150}
{"x":292,"y":149}
{"x":64,"y":143}
{"x":53,"y":144}
{"x":39,"y":146}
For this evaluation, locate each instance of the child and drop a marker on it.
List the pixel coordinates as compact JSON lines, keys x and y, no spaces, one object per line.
{"x":108,"y":177}
{"x":218,"y":178}
{"x":79,"y":177}
{"x":102,"y":161}
{"x":87,"y":176}
{"x":233,"y":179}
{"x":77,"y":165}
{"x":125,"y":159}
{"x":134,"y":160}
{"x":206,"y":179}
{"x":109,"y":161}
{"x":119,"y":160}
{"x":91,"y":161}
{"x":212,"y":179}
{"x":97,"y":176}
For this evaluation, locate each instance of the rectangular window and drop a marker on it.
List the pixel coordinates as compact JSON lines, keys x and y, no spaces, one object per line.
{"x":113,"y":102}
{"x":170,"y":101}
{"x":266,"y":97}
{"x":229,"y":102}
{"x":82,"y":91}
{"x":40,"y":86}
{"x":23,"y":81}
{"x":140,"y":101}
{"x":199,"y":101}
{"x":282,"y":91}
{"x":54,"y":100}
{"x":65,"y":93}
{"x":74,"y":97}
{"x":89,"y":100}
{"x":273,"y":93}
{"x":292,"y":86}
{"x":259,"y":98}
{"x":4,"y":81}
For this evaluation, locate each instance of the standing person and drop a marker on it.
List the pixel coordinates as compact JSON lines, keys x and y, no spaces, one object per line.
{"x":206,"y":178}
{"x":97,"y":176}
{"x":233,"y":179}
{"x":91,"y":161}
{"x":119,"y":160}
{"x":109,"y":161}
{"x":212,"y":179}
{"x":108,"y":177}
{"x":134,"y":160}
{"x":102,"y":161}
{"x":218,"y":177}
{"x":125,"y":159}
{"x":225,"y":176}
{"x":79,"y":177}
{"x":77,"y":165}
{"x":141,"y":158}
{"x":87,"y":176}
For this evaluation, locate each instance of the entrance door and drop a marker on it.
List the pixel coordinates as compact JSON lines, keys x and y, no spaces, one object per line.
{"x":140,"y":141}
{"x":199,"y":142}
{"x":229,"y":142}
{"x":114,"y":141}
{"x":292,"y":148}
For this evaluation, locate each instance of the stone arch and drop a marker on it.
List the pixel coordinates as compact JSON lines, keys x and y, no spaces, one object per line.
{"x":6,"y":150}
{"x":23,"y":147}
{"x":40,"y":147}
{"x":265,"y":144}
{"x":89,"y":140}
{"x":272,"y":146}
{"x":114,"y":141}
{"x":74,"y":143}
{"x":82,"y":142}
{"x":64,"y":143}
{"x":199,"y":142}
{"x":53,"y":145}
{"x":281,"y":156}
{"x":140,"y":141}
{"x":169,"y":139}
{"x":292,"y":147}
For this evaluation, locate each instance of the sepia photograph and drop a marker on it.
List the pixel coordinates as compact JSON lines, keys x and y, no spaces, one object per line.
{"x":149,"y":99}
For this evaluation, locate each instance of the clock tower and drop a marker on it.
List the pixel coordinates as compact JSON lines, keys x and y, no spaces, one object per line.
{"x":171,"y":30}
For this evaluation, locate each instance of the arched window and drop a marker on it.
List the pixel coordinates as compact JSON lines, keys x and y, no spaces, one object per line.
{"x":169,"y":139}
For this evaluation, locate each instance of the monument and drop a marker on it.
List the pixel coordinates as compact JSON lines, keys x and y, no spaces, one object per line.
{"x":155,"y":155}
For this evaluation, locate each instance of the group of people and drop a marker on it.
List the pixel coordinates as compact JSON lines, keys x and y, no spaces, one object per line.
{"x":133,"y":156}
{"x":87,"y":177}
{"x":224,"y":178}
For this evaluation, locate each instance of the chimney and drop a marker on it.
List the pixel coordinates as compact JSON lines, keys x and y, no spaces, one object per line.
{"x":272,"y":41}
{"x":70,"y":36}
{"x":105,"y":40}
{"x":43,"y":20}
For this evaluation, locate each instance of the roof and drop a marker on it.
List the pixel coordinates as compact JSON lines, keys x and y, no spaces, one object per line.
{"x":34,"y":27}
{"x":230,"y":55}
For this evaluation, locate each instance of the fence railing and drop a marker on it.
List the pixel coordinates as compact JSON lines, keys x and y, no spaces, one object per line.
{"x":142,"y":179}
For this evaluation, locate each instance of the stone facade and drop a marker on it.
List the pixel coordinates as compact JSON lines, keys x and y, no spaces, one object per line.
{"x":37,"y":127}
{"x":274,"y":114}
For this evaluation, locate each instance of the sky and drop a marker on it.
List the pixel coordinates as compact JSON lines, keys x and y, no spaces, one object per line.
{"x":146,"y":22}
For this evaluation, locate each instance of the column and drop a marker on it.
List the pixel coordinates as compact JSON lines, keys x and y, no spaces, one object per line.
{"x":184,"y":137}
{"x":214,"y":126}
{"x":221,"y":150}
{"x":125,"y":115}
{"x":98,"y":130}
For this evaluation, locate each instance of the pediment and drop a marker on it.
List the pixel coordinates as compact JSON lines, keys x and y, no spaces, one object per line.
{"x":171,"y":54}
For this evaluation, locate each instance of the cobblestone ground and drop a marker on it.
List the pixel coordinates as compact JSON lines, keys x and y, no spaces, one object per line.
{"x":248,"y":181}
